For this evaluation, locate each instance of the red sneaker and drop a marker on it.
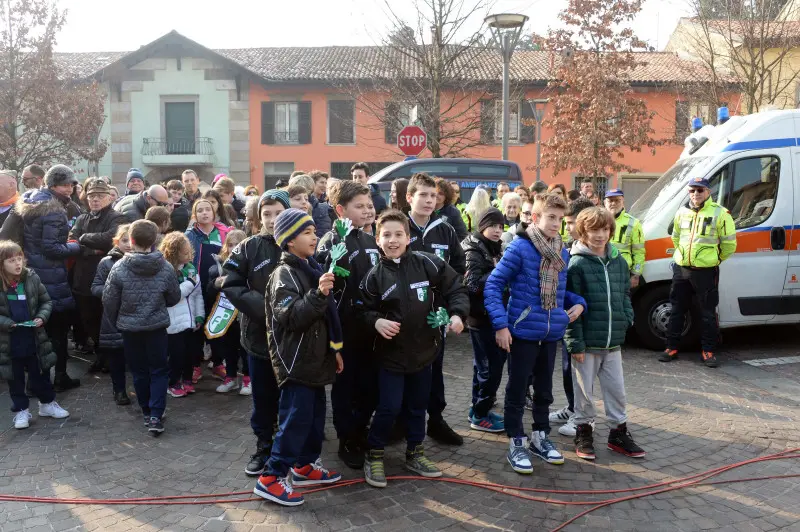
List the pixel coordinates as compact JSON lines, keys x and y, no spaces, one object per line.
{"x":219,"y":372}
{"x":197,"y":374}
{"x":278,"y":490}
{"x":313,"y":474}
{"x":188,"y":387}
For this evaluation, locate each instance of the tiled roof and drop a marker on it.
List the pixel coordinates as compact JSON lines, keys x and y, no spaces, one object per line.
{"x":332,"y":63}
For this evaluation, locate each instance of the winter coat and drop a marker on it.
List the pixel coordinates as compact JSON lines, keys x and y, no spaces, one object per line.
{"x":203,"y":254}
{"x":480,"y":263}
{"x":138,"y":291}
{"x":39,"y":306}
{"x":133,"y":207}
{"x":406,"y":292}
{"x":95,"y":233}
{"x":247,"y":273}
{"x":605,"y":284}
{"x":524,"y":316}
{"x":320,"y":212}
{"x":439,"y":238}
{"x":297,"y":332}
{"x":377,"y":200}
{"x":190,"y":310}
{"x":46,"y":229}
{"x":179,"y":218}
{"x":110,"y":337}
{"x":452,"y":215}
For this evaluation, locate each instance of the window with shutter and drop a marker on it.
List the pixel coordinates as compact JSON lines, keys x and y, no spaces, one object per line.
{"x":682,"y":120}
{"x":286,"y":123}
{"x":487,"y":121}
{"x":513,"y":120}
{"x":267,"y":122}
{"x":303,"y":122}
{"x":341,"y":122}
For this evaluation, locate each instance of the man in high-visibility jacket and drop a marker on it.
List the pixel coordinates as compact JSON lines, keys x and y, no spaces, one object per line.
{"x":629,"y":236}
{"x":704,"y":235}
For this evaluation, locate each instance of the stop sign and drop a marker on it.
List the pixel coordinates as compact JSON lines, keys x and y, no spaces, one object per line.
{"x":412,"y":140}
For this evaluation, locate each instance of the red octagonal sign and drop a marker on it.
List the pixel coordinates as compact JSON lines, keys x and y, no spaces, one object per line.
{"x":412,"y":140}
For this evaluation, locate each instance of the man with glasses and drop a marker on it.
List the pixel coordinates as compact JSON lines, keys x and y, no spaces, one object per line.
{"x":524,"y":220}
{"x":135,"y":207}
{"x":704,"y":235}
{"x":628,"y":235}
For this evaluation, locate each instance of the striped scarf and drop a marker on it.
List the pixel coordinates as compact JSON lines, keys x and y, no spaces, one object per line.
{"x":549,"y":267}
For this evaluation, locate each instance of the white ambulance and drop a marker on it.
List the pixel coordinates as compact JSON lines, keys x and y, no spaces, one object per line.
{"x":753,"y":164}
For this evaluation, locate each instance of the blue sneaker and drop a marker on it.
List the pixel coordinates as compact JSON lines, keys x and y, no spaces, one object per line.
{"x":491,"y":423}
{"x":542,"y":447}
{"x":519,"y":457}
{"x":278,"y":490}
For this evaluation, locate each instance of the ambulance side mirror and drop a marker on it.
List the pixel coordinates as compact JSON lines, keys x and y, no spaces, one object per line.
{"x":670,"y":227}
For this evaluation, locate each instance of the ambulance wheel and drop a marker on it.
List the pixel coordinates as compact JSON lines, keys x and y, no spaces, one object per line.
{"x":652,"y":320}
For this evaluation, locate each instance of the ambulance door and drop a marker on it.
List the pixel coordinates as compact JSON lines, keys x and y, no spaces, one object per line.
{"x":759,"y":194}
{"x":789,"y":309}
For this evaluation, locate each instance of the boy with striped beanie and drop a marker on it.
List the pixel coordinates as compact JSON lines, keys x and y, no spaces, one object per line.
{"x":305,"y":340}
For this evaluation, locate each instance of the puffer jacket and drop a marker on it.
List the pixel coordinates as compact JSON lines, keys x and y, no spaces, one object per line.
{"x":190,"y":310}
{"x":95,"y":233}
{"x":378,"y":200}
{"x":133,"y":207}
{"x":247,"y":273}
{"x":110,"y":337}
{"x":39,"y":306}
{"x":46,"y":229}
{"x":320,"y":212}
{"x":525,"y":318}
{"x":406,"y":292}
{"x":605,"y":284}
{"x":480,"y":263}
{"x":438,"y":238}
{"x":297,"y":332}
{"x":138,"y":291}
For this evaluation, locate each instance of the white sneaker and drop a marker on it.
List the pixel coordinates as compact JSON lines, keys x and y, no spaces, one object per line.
{"x":246,"y":389}
{"x":570,"y":428}
{"x":542,"y":447}
{"x":52,"y":409}
{"x":561,"y":416}
{"x":22,"y":419}
{"x":227,"y":385}
{"x":518,"y":456}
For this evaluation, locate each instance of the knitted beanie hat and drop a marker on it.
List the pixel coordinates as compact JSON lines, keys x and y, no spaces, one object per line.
{"x":490,"y":217}
{"x":133,"y":173}
{"x":289,"y":224}
{"x":59,"y":174}
{"x":275,"y":194}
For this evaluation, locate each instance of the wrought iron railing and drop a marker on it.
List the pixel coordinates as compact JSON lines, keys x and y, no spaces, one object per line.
{"x":195,"y":146}
{"x":287,"y":137}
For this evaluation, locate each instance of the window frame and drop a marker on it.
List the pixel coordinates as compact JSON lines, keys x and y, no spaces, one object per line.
{"x":328,"y":121}
{"x":287,"y":117}
{"x":498,"y":121}
{"x":723,"y":196}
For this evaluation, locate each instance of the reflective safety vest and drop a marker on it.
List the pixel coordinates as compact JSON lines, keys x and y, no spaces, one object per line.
{"x":703,"y":237}
{"x":628,"y":238}
{"x":462,"y":208}
{"x":563,"y":231}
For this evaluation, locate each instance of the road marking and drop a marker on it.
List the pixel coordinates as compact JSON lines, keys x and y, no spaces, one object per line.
{"x":773,"y":361}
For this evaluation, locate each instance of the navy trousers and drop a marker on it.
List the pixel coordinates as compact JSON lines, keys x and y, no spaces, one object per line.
{"x":437,"y":402}
{"x":265,"y":398}
{"x":301,"y":411}
{"x":146,"y":355}
{"x":566,"y":376}
{"x":116,"y":366}
{"x":41,"y":386}
{"x":487,"y":369}
{"x":529,"y":359}
{"x":394,"y":391}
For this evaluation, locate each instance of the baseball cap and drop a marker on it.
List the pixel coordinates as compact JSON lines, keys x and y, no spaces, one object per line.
{"x":699,"y":182}
{"x":614,"y":192}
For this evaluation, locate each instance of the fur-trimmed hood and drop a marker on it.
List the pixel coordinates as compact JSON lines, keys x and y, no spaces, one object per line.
{"x":41,"y":202}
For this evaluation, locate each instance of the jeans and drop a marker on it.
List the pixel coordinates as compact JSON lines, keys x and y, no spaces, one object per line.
{"x":265,"y":398}
{"x":146,"y":354}
{"x":488,"y":362}
{"x":704,"y":283}
{"x":437,"y":402}
{"x":301,"y":431}
{"x":525,"y":359}
{"x":116,"y":366}
{"x":39,"y":381}
{"x":57,"y":328}
{"x":566,"y":375}
{"x":396,"y":391}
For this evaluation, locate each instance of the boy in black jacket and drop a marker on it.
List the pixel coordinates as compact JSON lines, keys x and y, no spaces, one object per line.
{"x":434,"y":235}
{"x":353,"y":395}
{"x":247,"y":273}
{"x":304,"y":339}
{"x":397,"y":297}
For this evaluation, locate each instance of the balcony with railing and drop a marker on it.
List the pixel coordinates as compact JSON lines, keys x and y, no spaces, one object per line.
{"x":168,"y":152}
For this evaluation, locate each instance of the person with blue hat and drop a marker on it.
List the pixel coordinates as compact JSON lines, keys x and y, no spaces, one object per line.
{"x":134,"y":182}
{"x":628,"y":237}
{"x":704,"y":236}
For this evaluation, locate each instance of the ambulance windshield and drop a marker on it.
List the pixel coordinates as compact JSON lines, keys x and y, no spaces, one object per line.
{"x":664,"y":189}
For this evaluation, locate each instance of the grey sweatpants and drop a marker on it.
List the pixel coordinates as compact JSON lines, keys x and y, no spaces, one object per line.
{"x":607,"y":366}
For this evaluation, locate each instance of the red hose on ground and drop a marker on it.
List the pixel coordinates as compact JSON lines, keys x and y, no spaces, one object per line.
{"x":698,"y":479}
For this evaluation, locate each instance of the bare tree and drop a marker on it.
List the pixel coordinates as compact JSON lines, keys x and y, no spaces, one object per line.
{"x":43,"y":117}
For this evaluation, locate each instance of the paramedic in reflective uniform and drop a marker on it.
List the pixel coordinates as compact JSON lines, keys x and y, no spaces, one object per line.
{"x":704,"y":236}
{"x":628,"y":237}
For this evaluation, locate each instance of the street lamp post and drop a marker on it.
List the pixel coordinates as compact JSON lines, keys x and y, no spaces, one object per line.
{"x":506,"y":29}
{"x":537,"y":106}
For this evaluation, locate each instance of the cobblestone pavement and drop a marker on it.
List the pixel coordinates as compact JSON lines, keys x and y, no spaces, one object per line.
{"x":689,"y":419}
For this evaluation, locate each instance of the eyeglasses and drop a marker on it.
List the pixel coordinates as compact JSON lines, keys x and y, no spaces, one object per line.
{"x":696,"y":190}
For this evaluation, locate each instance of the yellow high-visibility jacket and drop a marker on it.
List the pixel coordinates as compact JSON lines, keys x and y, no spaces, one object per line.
{"x":703,"y":237}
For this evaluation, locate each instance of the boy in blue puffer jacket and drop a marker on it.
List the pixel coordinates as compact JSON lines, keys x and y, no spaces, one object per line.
{"x":534,"y":269}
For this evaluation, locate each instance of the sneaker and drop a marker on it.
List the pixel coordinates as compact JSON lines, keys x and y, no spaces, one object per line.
{"x":278,"y":490}
{"x":227,"y":385}
{"x":709,"y":359}
{"x":570,"y":428}
{"x":442,"y":433}
{"x":374,"y":473}
{"x":197,"y":374}
{"x":219,"y":372}
{"x":52,"y":409}
{"x":668,"y":355}
{"x":519,"y":457}
{"x":351,"y":453}
{"x":245,"y":389}
{"x":561,"y":416}
{"x":188,"y":387}
{"x":491,"y":423}
{"x":584,"y":443}
{"x":418,"y":463}
{"x":314,"y":474}
{"x":121,"y":398}
{"x":22,"y":419}
{"x":542,"y":447}
{"x":176,"y":391}
{"x":621,"y":441}
{"x":255,"y":467}
{"x":156,"y":426}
